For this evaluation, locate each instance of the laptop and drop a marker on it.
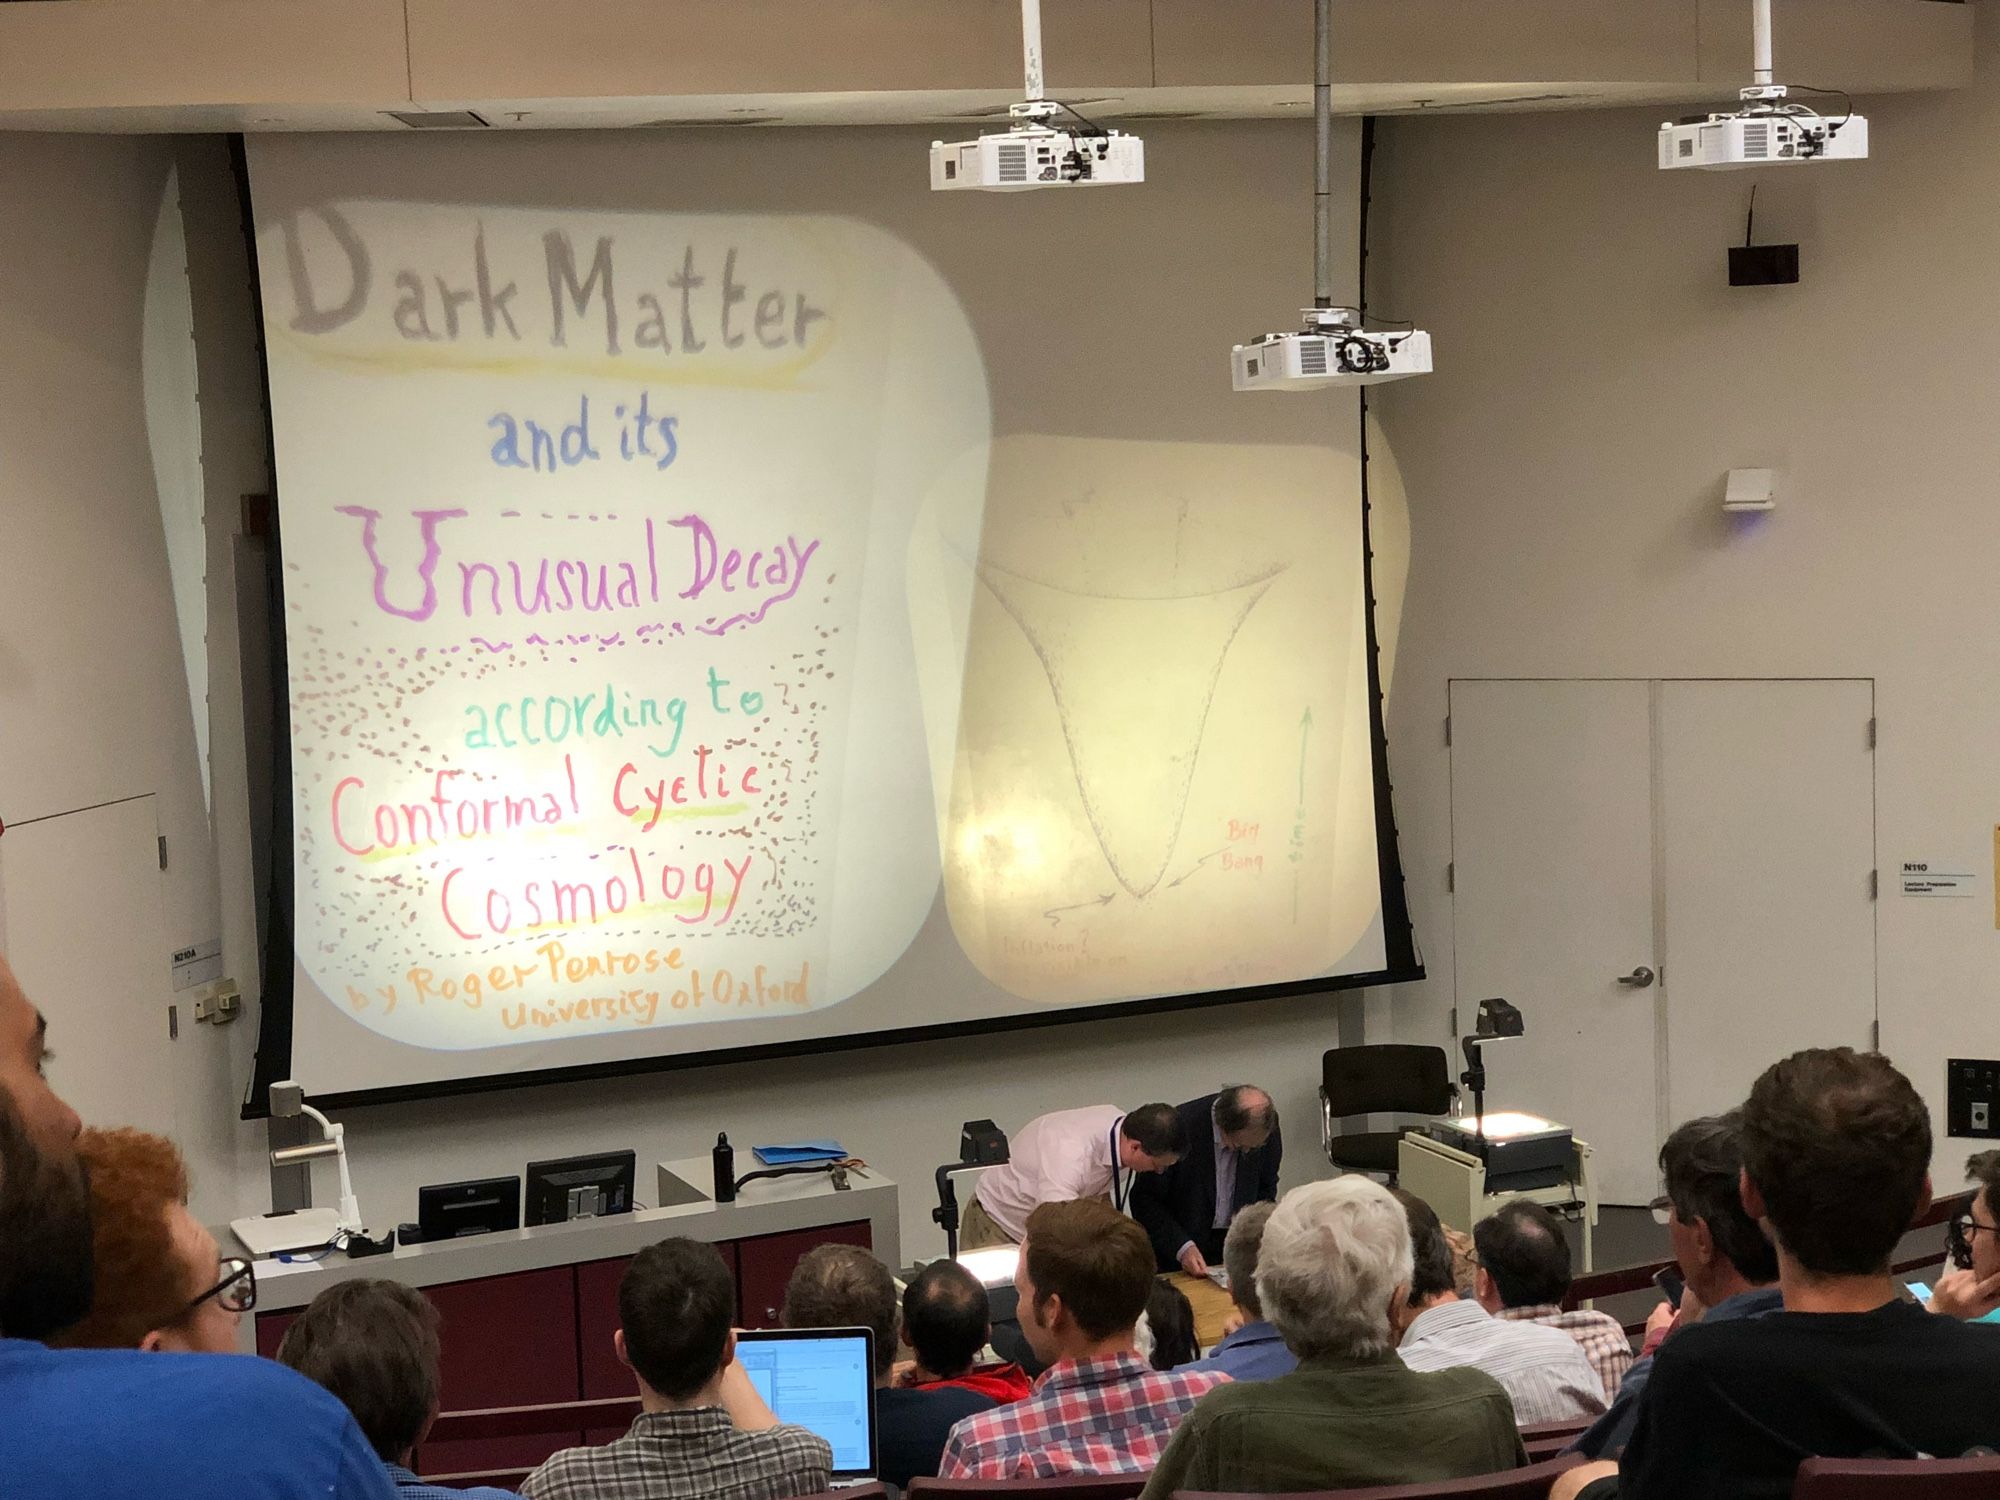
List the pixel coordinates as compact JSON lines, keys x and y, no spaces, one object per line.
{"x":821,"y":1379}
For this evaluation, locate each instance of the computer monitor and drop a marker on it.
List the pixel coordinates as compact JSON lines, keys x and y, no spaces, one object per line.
{"x":451,"y":1210}
{"x":821,"y":1379}
{"x":580,"y":1187}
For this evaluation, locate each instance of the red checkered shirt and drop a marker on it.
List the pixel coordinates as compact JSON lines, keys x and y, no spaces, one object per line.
{"x":1604,"y":1341}
{"x":1109,"y":1415}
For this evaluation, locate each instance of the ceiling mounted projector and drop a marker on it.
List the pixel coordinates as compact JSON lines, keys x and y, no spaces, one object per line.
{"x":1034,"y":152}
{"x":1333,"y":348}
{"x":1769,"y":130}
{"x":1763,"y":137}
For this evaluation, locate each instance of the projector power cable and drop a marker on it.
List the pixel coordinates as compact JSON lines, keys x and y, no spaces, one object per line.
{"x":835,"y":1169}
{"x":1084,"y":120}
{"x":1846,"y":102}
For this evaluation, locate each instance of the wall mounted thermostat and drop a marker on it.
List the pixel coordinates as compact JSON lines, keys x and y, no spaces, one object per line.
{"x":1751,"y":489}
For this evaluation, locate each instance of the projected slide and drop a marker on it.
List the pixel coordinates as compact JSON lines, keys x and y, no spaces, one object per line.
{"x":1136,"y":787}
{"x":688,"y":651}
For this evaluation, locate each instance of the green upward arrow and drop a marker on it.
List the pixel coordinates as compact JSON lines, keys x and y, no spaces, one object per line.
{"x":1305,"y":732}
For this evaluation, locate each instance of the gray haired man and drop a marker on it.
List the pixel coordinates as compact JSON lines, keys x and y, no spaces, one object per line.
{"x":1333,"y":1273}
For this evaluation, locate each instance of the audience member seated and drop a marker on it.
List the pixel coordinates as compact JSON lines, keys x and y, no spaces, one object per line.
{"x":1542,"y":1370}
{"x":1524,"y":1274}
{"x":1973,"y":1293}
{"x":1254,"y":1350}
{"x":374,"y":1344}
{"x":120,"y":1424}
{"x":702,"y":1432}
{"x":1728,"y":1265}
{"x":1836,"y":1155}
{"x":843,"y":1286}
{"x":1166,"y":1329}
{"x":1334,"y":1268}
{"x":1083,"y":1279}
{"x":947,"y":1322}
{"x":160,"y":1280}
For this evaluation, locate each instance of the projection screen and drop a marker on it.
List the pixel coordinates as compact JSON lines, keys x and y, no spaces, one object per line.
{"x":736,"y":600}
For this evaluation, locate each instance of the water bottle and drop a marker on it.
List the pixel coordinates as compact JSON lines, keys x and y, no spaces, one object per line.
{"x":725,"y":1169}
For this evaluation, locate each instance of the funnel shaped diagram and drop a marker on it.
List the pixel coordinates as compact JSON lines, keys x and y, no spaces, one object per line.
{"x":1133,"y":680}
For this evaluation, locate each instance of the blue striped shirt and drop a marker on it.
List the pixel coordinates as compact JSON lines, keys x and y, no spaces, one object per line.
{"x":410,"y":1487}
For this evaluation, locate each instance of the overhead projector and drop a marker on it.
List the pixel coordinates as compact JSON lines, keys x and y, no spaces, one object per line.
{"x":1769,"y":130}
{"x":1763,"y":134}
{"x":1034,"y":154}
{"x":1333,"y":349}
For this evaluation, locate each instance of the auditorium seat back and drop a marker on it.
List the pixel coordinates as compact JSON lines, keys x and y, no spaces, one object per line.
{"x":1898,"y":1479}
{"x":1531,"y":1483}
{"x":1547,"y":1439}
{"x":1071,"y":1487}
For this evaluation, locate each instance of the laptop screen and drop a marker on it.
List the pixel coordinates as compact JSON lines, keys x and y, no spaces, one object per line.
{"x":821,"y":1379}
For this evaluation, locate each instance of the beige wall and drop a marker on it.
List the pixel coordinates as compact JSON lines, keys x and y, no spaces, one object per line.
{"x":93,"y":699}
{"x":148,"y":65}
{"x":1597,"y":377}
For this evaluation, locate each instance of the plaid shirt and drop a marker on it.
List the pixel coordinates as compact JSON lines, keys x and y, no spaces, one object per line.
{"x":1108,"y":1415}
{"x":695,"y":1453}
{"x":1603,"y":1340}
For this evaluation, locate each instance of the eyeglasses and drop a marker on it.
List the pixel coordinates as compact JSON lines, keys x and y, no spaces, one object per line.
{"x":236,"y":1291}
{"x":1958,"y":1233}
{"x":1663,"y":1209}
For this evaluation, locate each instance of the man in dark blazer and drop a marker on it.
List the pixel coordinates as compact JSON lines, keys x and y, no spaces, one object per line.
{"x":1233,"y":1135}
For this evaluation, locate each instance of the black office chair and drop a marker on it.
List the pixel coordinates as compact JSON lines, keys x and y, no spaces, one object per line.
{"x":1393,"y":1078}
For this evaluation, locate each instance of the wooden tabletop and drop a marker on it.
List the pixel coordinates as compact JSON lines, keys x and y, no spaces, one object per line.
{"x":1211,"y":1306}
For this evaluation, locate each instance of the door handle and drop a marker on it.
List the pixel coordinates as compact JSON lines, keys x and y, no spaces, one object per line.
{"x":1639,"y":979}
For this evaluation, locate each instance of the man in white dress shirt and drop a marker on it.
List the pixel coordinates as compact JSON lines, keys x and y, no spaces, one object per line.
{"x":1543,"y":1370}
{"x":1093,"y":1152}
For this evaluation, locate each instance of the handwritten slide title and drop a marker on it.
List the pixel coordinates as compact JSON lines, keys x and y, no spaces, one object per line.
{"x":456,"y":294}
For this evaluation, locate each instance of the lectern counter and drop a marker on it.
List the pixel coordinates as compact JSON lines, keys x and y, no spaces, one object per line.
{"x":528,"y":1314}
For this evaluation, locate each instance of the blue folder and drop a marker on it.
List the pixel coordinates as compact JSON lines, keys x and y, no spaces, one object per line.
{"x":795,"y":1153}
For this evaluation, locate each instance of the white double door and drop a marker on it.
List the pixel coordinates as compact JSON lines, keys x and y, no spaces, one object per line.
{"x":83,"y":925}
{"x":1673,"y":880}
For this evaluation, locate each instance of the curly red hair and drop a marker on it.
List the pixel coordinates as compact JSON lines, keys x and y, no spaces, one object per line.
{"x":141,"y":1281}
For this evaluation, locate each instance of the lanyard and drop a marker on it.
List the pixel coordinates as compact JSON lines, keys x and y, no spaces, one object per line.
{"x":1118,"y":1195}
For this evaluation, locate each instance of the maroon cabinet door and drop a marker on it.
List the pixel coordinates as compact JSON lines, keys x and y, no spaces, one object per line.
{"x":271,"y":1331}
{"x":596,"y":1321}
{"x":765,"y":1264}
{"x":508,"y":1341}
{"x":604,"y":1378}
